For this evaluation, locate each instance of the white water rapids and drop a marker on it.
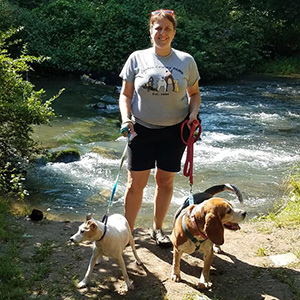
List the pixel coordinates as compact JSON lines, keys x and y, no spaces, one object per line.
{"x":250,"y":139}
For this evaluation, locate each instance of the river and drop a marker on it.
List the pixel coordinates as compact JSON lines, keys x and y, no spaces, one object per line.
{"x":250,"y":139}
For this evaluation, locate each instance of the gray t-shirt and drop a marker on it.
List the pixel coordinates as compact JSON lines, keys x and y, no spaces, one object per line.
{"x":160,"y":84}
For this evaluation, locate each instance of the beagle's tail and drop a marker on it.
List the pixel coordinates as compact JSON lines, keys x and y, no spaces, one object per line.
{"x":224,"y":187}
{"x":209,"y":193}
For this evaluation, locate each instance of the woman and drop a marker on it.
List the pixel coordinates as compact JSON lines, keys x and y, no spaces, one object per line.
{"x":159,"y":92}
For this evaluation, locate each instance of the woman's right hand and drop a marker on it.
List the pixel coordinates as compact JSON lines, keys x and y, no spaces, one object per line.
{"x":127,"y":128}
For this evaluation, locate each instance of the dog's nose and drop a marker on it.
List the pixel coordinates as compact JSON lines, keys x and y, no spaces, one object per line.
{"x":71,"y":240}
{"x":244,"y":214}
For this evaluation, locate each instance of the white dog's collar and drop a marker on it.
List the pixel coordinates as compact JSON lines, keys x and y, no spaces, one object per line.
{"x":104,"y":232}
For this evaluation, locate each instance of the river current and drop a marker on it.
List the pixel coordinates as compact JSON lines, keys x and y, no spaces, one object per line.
{"x":250,"y":139}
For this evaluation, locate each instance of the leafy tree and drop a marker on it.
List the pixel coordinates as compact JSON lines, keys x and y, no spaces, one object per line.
{"x":20,"y":108}
{"x":226,"y":37}
{"x":282,"y":24}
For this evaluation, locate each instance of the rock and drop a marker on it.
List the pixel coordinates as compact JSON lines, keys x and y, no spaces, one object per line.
{"x":65,"y":156}
{"x":284,"y":259}
{"x":99,"y":106}
{"x":36,"y":215}
{"x":88,"y":79}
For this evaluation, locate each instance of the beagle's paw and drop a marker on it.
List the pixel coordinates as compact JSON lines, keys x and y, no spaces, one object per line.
{"x":130,"y":286}
{"x":217,"y":249}
{"x":204,"y":285}
{"x":175,"y":277}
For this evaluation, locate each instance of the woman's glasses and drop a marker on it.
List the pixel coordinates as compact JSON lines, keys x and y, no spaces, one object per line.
{"x":166,"y":11}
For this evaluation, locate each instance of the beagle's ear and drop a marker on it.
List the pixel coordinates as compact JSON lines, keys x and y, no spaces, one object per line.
{"x":214,"y":229}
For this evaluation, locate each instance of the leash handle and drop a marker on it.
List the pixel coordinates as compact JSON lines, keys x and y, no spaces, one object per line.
{"x":191,"y":138}
{"x":125,"y":129}
{"x":188,"y":166}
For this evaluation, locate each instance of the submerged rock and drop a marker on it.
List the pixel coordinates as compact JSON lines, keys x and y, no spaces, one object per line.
{"x":88,"y":79}
{"x":99,"y":106}
{"x":107,"y":153}
{"x":65,"y":156}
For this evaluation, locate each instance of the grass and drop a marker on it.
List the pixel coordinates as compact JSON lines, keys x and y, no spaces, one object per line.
{"x":281,"y":66}
{"x":20,"y":274}
{"x":12,"y":283}
{"x":283,"y":275}
{"x":286,"y":214}
{"x":261,"y":251}
{"x":290,"y":214}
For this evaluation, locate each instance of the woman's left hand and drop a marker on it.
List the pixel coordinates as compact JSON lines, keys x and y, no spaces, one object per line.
{"x":191,"y":120}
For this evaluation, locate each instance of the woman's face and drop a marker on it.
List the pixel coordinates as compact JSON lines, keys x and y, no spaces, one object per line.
{"x":162,"y":33}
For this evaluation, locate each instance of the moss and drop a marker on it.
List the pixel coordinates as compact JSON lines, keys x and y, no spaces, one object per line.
{"x":108,"y":153}
{"x":67,"y":155}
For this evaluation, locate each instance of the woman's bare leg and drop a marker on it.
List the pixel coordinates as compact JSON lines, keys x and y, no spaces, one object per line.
{"x":163,"y":195}
{"x":137,"y":180}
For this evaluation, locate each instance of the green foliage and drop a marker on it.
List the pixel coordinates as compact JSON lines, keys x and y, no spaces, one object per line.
{"x":224,"y":40}
{"x":282,"y":275}
{"x":295,"y":180}
{"x":11,"y":274}
{"x":290,"y":214}
{"x":226,"y":37}
{"x":20,"y":108}
{"x":281,"y":66}
{"x":19,"y":273}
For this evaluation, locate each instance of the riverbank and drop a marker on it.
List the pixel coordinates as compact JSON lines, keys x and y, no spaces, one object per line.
{"x":40,"y":263}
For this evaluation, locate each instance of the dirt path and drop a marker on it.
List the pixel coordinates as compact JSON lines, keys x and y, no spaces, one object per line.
{"x":238,"y":273}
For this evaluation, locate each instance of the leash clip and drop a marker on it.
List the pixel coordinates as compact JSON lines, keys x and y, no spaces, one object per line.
{"x":191,"y":188}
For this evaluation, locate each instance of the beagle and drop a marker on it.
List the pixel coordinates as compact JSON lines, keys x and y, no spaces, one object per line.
{"x":207,"y":194}
{"x":109,"y":239}
{"x":200,"y":226}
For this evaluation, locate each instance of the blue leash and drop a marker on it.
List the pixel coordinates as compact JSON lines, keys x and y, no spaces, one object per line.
{"x":104,"y":219}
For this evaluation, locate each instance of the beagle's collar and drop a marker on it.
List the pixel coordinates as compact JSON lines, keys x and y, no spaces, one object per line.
{"x":191,"y":237}
{"x":194,"y":223}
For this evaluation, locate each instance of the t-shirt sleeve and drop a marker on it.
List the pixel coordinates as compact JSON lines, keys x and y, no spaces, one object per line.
{"x":193,"y":73}
{"x":128,"y":71}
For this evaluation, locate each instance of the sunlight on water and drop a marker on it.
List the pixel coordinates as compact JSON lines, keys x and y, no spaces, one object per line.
{"x":250,"y":139}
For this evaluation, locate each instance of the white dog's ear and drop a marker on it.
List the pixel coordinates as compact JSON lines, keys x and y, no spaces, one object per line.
{"x":92,"y":225}
{"x":89,"y":217}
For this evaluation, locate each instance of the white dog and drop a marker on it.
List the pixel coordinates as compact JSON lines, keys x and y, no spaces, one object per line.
{"x":109,"y":240}
{"x":162,"y":83}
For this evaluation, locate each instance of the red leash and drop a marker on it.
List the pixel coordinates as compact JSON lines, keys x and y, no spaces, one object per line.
{"x":188,"y":166}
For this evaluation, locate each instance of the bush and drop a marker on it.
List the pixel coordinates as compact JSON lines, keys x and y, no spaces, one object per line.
{"x":226,"y":38}
{"x":95,"y":37}
{"x":20,"y":108}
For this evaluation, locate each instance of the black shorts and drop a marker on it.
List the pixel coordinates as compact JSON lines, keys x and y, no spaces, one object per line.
{"x":161,"y":148}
